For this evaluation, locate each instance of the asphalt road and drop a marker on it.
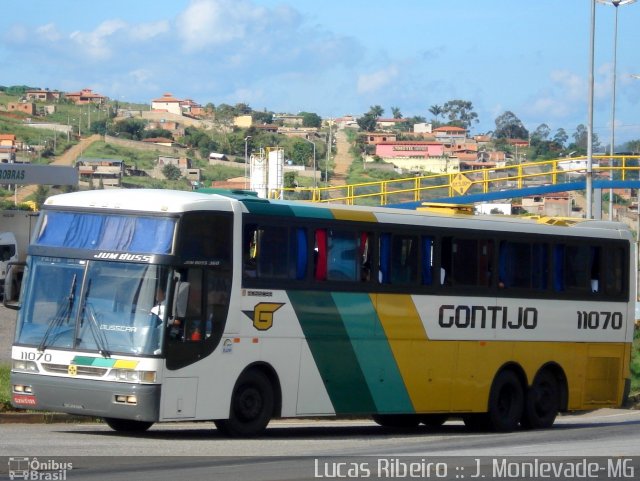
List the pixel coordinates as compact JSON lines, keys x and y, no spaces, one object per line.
{"x":311,"y":449}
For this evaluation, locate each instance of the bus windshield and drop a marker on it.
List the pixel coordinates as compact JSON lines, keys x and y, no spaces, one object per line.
{"x":111,"y":308}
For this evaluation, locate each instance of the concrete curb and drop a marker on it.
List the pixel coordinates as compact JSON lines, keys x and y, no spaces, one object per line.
{"x":42,"y":418}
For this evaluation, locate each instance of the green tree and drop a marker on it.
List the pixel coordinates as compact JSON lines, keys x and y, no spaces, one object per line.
{"x":128,"y":129}
{"x":376,"y":110}
{"x":633,"y":146}
{"x":460,"y":113}
{"x":541,"y":133}
{"x":581,"y":139}
{"x":290,"y":180}
{"x":153,"y":133}
{"x":368,"y":122}
{"x":260,"y":118}
{"x":561,"y":137}
{"x":40,"y":195}
{"x":508,"y":126}
{"x":171,"y":172}
{"x":395,"y":111}
{"x":436,"y":111}
{"x":309,"y":119}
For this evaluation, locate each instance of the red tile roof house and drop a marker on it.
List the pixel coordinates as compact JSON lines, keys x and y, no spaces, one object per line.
{"x":168,"y":103}
{"x":85,"y":96}
{"x":450,"y":133}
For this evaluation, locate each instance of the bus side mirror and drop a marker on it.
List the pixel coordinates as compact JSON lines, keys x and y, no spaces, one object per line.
{"x":180,"y":300}
{"x":12,"y":282}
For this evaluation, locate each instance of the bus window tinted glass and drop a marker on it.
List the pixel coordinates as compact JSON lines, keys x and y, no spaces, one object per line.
{"x":342,"y":247}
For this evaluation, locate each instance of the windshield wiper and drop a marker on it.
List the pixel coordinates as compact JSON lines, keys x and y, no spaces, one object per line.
{"x":62,"y":315}
{"x":98,"y":336}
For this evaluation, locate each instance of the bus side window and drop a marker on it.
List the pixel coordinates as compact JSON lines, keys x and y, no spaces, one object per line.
{"x":320,"y":255}
{"x":427,"y":260}
{"x":250,"y":250}
{"x":595,"y":269}
{"x":341,"y":255}
{"x":558,"y":268}
{"x":384,"y":258}
{"x":365,"y":252}
{"x":615,"y":271}
{"x":404,"y":260}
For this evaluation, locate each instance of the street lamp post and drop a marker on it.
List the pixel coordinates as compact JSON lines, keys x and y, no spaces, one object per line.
{"x":326,"y":164}
{"x":589,"y":182}
{"x":246,"y":163}
{"x":615,"y":4}
{"x":315,"y":183}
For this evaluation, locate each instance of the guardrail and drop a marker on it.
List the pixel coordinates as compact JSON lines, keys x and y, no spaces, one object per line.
{"x":441,"y":186}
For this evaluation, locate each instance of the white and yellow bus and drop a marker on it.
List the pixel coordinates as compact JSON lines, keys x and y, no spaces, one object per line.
{"x":144,"y":306}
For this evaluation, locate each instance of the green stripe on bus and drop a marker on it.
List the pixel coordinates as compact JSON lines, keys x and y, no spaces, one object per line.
{"x":92,"y":361}
{"x":374,"y":353}
{"x":288,"y":210}
{"x":333,"y":352}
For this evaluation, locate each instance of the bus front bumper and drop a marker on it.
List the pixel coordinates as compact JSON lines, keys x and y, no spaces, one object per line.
{"x":86,"y":397}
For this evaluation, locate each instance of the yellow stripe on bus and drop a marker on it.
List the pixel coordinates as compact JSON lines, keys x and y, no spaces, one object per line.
{"x":125,"y":364}
{"x":354,"y":215}
{"x":426,"y":367}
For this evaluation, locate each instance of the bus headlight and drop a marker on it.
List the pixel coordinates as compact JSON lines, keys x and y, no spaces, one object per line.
{"x":24,"y":366}
{"x":133,"y":376}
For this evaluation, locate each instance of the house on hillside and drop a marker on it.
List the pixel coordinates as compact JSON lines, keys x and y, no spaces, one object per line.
{"x":109,"y":171}
{"x":388,"y":123}
{"x":409,"y":148}
{"x":167,"y":103}
{"x":7,"y":148}
{"x":46,"y":95}
{"x":374,"y":138}
{"x":450,"y":134}
{"x":86,"y":96}
{"x":28,"y":108}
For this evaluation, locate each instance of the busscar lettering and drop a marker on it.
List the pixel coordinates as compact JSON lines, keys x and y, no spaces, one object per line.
{"x":487,"y":317}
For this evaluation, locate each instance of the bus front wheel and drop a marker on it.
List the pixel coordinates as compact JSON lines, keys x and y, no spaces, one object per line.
{"x":128,"y":425}
{"x":252,"y":405}
{"x":542,"y":402}
{"x":506,"y":402}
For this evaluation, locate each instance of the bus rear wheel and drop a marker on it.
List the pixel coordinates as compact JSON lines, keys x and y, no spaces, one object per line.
{"x":542,"y":402}
{"x":506,"y":402}
{"x":128,"y":425}
{"x":252,"y":405}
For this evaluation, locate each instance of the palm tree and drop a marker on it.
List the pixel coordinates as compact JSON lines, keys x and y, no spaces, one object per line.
{"x":376,"y":111}
{"x":396,"y":112}
{"x":436,"y":110}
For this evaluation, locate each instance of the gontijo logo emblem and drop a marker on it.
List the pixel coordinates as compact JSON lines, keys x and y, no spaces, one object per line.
{"x":262,"y":314}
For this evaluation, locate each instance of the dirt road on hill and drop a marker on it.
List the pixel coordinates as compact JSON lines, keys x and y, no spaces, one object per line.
{"x":342,"y":159}
{"x":67,"y":158}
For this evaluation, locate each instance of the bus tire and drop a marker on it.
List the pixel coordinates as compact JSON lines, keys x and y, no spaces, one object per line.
{"x":542,"y":402}
{"x":400,"y":421}
{"x":506,"y":402}
{"x":128,"y":425}
{"x":252,"y":405}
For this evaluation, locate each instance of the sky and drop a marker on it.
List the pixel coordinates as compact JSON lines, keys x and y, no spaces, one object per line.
{"x":334,"y":58}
